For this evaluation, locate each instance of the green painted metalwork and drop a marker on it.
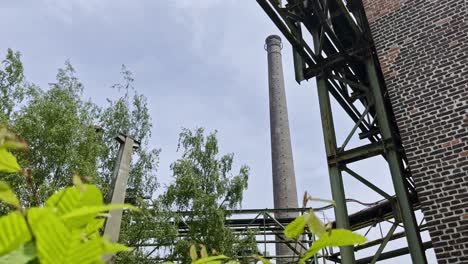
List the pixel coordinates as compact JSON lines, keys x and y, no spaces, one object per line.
{"x":266,"y":226}
{"x":384,"y":243}
{"x":336,"y":180}
{"x":368,"y":183}
{"x":350,"y":135}
{"x":396,"y":169}
{"x":344,"y":63}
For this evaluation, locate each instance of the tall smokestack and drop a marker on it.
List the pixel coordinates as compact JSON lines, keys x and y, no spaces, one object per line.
{"x":284,"y":181}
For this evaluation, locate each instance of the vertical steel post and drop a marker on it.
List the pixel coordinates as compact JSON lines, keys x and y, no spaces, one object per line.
{"x":336,"y":180}
{"x":345,"y":47}
{"x":331,"y":149}
{"x":396,"y":169}
{"x":284,"y":181}
{"x":117,"y":195}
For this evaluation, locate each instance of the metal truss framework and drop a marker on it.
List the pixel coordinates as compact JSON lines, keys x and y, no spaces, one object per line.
{"x":343,"y":60}
{"x":269,"y":229}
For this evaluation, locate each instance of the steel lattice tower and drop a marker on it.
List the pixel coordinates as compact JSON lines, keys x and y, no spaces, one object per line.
{"x":343,"y":61}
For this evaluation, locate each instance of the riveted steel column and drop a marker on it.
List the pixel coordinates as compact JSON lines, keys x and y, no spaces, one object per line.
{"x":413,"y":236}
{"x":331,"y":149}
{"x":284,"y":181}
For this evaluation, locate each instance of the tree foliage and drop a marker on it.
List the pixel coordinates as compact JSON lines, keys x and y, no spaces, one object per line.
{"x":205,"y":185}
{"x":12,"y":90}
{"x":68,"y":135}
{"x":129,"y":115}
{"x":59,"y":128}
{"x":65,"y":230}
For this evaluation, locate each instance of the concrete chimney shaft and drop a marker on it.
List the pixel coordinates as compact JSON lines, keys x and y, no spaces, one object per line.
{"x":284,"y":181}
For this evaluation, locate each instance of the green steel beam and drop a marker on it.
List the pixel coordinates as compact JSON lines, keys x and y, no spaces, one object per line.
{"x":358,"y":153}
{"x":327,"y":64}
{"x":379,"y":241}
{"x":291,"y":26}
{"x":368,"y":183}
{"x":355,"y":27}
{"x":384,"y":243}
{"x":353,"y":130}
{"x":393,"y":254}
{"x":396,"y":169}
{"x":343,"y":58}
{"x":321,"y":13}
{"x":336,"y":180}
{"x":353,"y":84}
{"x":286,"y":31}
{"x":350,"y":109}
{"x":299,"y":64}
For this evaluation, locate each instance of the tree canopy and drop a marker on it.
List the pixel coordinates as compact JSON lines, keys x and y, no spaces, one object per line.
{"x":206,"y":186}
{"x":68,"y":135}
{"x":12,"y":90}
{"x":60,"y":130}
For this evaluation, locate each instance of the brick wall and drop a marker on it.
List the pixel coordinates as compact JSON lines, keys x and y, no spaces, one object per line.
{"x":423,"y":51}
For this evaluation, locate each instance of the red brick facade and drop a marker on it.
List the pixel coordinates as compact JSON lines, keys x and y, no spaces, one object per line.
{"x":379,"y":8}
{"x":423,"y":51}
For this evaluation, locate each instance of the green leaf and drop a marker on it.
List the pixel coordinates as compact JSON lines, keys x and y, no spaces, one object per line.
{"x":56,"y":244}
{"x":8,"y":162}
{"x":8,"y":140}
{"x":115,"y":247}
{"x":321,"y":200}
{"x":209,"y":259}
{"x":7,"y":195}
{"x":82,"y":253}
{"x":296,"y":227}
{"x":14,"y":144}
{"x":316,"y":247}
{"x":52,"y":237}
{"x":203,"y":252}
{"x":78,"y":183}
{"x":93,"y":227}
{"x":14,"y":232}
{"x":193,"y":253}
{"x":315,"y":225}
{"x":342,"y":237}
{"x":105,"y":215}
{"x":72,"y":198}
{"x":87,"y":210}
{"x":21,"y":255}
{"x":81,"y":216}
{"x":333,"y":238}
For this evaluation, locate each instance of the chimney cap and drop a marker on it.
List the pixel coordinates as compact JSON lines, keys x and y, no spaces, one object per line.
{"x":273,"y":40}
{"x":273,"y":37}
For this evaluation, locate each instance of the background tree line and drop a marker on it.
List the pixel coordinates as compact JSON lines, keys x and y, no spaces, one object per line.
{"x":68,"y":135}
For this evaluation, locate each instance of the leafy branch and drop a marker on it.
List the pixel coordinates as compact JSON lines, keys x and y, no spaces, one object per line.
{"x":65,"y":230}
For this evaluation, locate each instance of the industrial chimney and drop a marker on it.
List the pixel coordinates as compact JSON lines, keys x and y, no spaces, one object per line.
{"x":284,"y":181}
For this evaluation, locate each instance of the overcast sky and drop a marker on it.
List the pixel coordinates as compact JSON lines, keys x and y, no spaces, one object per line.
{"x":200,"y":63}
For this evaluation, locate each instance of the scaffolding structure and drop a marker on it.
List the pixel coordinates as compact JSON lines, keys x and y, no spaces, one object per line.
{"x":344,"y":63}
{"x":269,"y":229}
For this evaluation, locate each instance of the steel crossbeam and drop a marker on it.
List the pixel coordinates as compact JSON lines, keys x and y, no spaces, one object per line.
{"x":343,"y":61}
